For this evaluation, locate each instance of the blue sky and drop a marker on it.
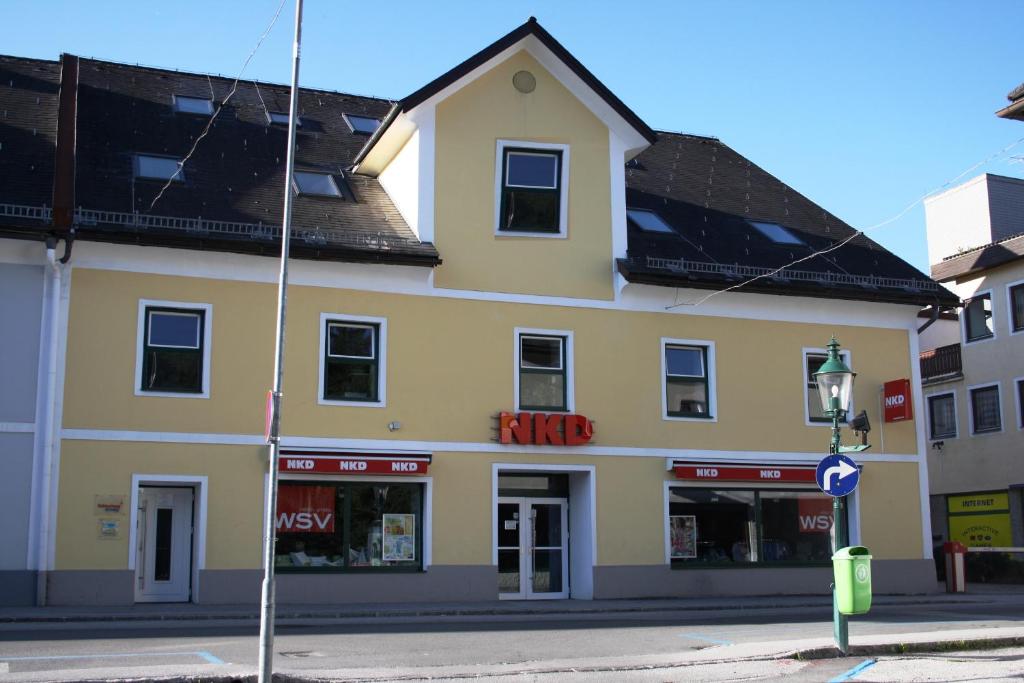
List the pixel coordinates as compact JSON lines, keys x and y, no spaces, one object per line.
{"x":863,"y":107}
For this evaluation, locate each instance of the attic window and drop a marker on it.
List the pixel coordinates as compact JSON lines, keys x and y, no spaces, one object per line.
{"x":776,"y":233}
{"x":159,"y":168}
{"x":193,"y":105}
{"x":281,"y":118}
{"x":648,"y":221}
{"x":364,"y":125}
{"x":318,"y":184}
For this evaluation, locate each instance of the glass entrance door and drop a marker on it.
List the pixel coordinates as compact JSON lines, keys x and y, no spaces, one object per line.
{"x":533,"y":557}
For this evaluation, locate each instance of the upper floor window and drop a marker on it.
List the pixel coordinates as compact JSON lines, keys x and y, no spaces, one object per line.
{"x":193,"y":105}
{"x":942,"y":416}
{"x":364,"y":125}
{"x":813,"y":360}
{"x":1016,"y":296}
{"x":532,"y":189}
{"x":318,"y":184}
{"x":543,"y":370}
{"x":648,"y":221}
{"x":280,"y":118}
{"x":978,"y":317}
{"x":776,"y":233}
{"x":688,"y":379}
{"x":159,"y":168}
{"x":352,"y":360}
{"x":1020,"y":402}
{"x":173,"y":356}
{"x":985,"y":413}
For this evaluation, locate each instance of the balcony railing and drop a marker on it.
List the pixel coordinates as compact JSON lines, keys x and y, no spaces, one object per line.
{"x":940,"y":364}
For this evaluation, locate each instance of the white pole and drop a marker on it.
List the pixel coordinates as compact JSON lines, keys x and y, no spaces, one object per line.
{"x":269,"y":530}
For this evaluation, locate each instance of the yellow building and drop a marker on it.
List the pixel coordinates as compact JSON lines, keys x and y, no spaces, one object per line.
{"x":512,"y":369}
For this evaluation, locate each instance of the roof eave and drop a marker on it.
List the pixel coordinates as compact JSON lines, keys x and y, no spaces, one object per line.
{"x":1013,"y":111}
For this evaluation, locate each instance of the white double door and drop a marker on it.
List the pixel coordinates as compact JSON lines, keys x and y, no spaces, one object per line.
{"x":533,"y":549}
{"x":163,"y":563}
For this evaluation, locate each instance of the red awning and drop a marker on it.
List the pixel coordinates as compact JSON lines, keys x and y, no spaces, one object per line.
{"x":785,"y":474}
{"x":318,"y":462}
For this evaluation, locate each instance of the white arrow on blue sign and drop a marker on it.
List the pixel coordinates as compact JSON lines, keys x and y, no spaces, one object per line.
{"x":837,"y":475}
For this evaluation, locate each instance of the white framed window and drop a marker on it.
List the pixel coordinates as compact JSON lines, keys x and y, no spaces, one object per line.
{"x":985,"y":406}
{"x":813,"y":359}
{"x":1015,"y":306}
{"x":193,"y":105}
{"x":688,"y":383}
{"x":544,"y":380}
{"x":353,"y":361}
{"x":149,"y":166}
{"x":172,"y":349}
{"x":531,"y":189}
{"x":1018,"y":397}
{"x":942,"y":416}
{"x":363,"y":125}
{"x":978,"y":322}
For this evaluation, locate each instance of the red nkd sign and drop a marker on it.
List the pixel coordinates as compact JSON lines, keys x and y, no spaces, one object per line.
{"x":768,"y":473}
{"x":540,"y":429}
{"x":305,"y":509}
{"x":350,"y":465}
{"x":897,"y":401}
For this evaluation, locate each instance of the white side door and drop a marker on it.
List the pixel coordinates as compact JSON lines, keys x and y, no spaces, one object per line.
{"x":163,"y":566}
{"x":533,"y":548}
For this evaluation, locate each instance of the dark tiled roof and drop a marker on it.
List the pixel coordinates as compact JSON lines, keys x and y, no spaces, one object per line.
{"x":708,"y":192}
{"x":980,"y":258}
{"x":1016,"y":94}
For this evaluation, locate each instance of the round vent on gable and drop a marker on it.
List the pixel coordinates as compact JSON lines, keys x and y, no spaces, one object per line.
{"x":524,"y":81}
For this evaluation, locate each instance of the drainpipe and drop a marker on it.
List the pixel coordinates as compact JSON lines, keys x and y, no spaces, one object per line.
{"x":53,"y":274}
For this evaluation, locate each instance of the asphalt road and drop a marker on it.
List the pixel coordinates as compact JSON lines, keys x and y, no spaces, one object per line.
{"x":617,"y":643}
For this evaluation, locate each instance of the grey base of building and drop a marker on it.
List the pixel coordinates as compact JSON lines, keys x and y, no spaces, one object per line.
{"x":660,"y":581}
{"x":17,"y":588}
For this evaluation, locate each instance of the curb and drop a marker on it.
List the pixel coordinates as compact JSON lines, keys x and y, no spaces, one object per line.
{"x":890,"y":649}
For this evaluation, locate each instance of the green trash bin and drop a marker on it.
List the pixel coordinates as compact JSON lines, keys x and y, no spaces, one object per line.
{"x":852,"y":567}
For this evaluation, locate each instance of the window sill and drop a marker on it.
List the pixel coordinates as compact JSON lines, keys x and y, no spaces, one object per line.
{"x":689,"y":418}
{"x":352,"y":404}
{"x":983,"y":432}
{"x":173,"y":394}
{"x":561,"y":234}
{"x":987,"y":337}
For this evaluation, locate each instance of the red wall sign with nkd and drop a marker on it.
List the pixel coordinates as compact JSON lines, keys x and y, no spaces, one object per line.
{"x":897,"y":401}
{"x":540,"y":429}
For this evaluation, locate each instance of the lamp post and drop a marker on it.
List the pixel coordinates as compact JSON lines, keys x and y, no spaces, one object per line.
{"x":835,"y":386}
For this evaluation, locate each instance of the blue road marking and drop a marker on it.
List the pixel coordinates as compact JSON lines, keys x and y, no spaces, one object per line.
{"x":204,"y":655}
{"x":697,"y":636}
{"x":866,"y":664}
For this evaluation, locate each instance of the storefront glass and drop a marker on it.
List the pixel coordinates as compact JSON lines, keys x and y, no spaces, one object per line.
{"x":747,"y":526}
{"x":324,"y":526}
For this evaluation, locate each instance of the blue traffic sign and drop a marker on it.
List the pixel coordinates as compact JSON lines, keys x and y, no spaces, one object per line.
{"x":837,"y":475}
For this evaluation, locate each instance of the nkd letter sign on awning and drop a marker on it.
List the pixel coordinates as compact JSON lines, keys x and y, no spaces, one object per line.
{"x":543,"y":429}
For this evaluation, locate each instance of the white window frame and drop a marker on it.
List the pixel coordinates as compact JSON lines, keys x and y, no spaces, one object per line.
{"x":382,"y":358}
{"x":712,"y":379}
{"x":806,"y":351}
{"x":928,"y":408}
{"x":1017,"y":381}
{"x":352,"y":128}
{"x":140,"y":342}
{"x":563,"y":204}
{"x":963,"y":317}
{"x":570,"y":379}
{"x":1009,"y":308}
{"x":970,"y":408}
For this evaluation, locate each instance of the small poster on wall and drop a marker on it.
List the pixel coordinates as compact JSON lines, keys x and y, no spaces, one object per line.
{"x":399,"y":538}
{"x":683,"y":533}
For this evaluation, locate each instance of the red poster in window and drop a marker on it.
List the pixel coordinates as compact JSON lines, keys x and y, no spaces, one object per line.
{"x":814,"y":515}
{"x":897,"y":401}
{"x":305,"y":509}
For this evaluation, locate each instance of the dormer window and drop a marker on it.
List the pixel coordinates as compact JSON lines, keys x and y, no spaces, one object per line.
{"x":532,"y":189}
{"x":159,"y":168}
{"x":648,"y":221}
{"x":280,"y":118}
{"x":316,"y":184}
{"x":776,"y":233}
{"x":364,"y":125}
{"x":193,"y":105}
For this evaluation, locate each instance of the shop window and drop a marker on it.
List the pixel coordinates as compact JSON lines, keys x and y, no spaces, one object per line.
{"x":942,"y":416}
{"x":728,"y":527}
{"x":687,"y":372}
{"x":985,"y":413}
{"x":349,"y":526}
{"x":543,"y":372}
{"x":978,"y":318}
{"x":352,"y":361}
{"x":813,"y":360}
{"x":1016,"y":295}
{"x":173,"y":356}
{"x":531,"y":189}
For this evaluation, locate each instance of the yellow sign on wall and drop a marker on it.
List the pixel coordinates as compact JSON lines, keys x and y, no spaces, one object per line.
{"x":979,"y":502}
{"x":986,"y":531}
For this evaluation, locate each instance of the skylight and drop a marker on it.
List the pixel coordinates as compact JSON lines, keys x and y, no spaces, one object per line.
{"x":776,"y":233}
{"x":362,"y":124}
{"x":158,"y":168}
{"x":193,"y":105}
{"x":321,"y":184}
{"x":648,"y":221}
{"x":281,"y":117}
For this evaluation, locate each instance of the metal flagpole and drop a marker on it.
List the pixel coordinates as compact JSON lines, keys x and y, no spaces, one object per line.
{"x":274,"y":428}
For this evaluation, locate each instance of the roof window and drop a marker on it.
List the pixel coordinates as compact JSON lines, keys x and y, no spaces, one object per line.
{"x":776,"y":233}
{"x":281,"y":118}
{"x":318,"y":184}
{"x":361,"y":124}
{"x":159,"y":168}
{"x":648,"y":221}
{"x":193,"y":105}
